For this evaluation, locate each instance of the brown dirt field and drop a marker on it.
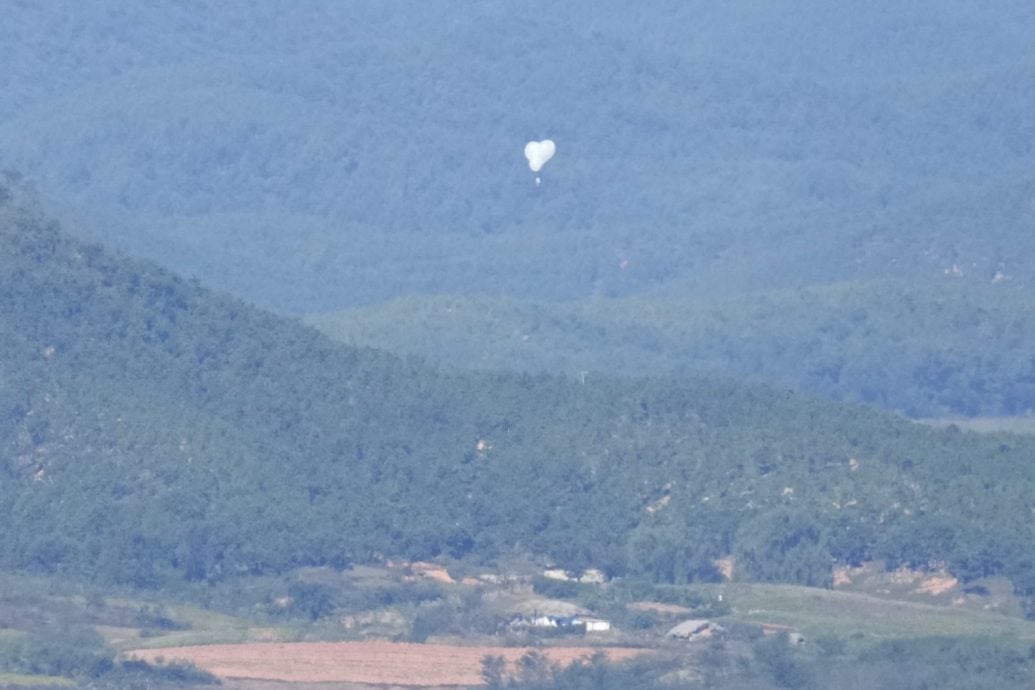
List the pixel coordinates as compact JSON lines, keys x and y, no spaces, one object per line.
{"x":371,"y":663}
{"x":246,"y":684}
{"x":430,"y":571}
{"x":938,"y":584}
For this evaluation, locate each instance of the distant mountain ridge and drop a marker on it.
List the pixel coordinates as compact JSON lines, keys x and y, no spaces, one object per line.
{"x":312,"y":158}
{"x":945,"y":347}
{"x":152,"y":429}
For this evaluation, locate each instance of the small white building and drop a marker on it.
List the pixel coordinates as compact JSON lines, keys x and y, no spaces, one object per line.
{"x":543,"y":621}
{"x":557,"y":574}
{"x":593,"y":624}
{"x":593,"y":576}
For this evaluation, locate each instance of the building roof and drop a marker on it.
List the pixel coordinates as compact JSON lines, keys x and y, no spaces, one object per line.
{"x":689,"y":628}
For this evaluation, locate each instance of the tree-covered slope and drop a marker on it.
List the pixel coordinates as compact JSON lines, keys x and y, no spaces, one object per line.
{"x":944,"y":347}
{"x":150,"y":428}
{"x":314,"y":156}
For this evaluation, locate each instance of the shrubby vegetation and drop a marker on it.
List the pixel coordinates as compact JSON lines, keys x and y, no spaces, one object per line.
{"x":76,"y":652}
{"x":770,"y":663}
{"x":535,"y":672}
{"x":79,"y":653}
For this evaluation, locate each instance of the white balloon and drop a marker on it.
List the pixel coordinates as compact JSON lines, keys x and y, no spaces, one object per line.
{"x":538,"y":153}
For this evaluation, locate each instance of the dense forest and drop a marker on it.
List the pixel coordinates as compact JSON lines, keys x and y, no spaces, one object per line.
{"x":283,"y":310}
{"x":927,"y":350}
{"x":151,"y":429}
{"x":866,"y":174}
{"x":322,"y":155}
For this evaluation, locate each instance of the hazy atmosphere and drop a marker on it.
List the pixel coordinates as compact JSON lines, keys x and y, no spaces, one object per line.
{"x":517,"y":345}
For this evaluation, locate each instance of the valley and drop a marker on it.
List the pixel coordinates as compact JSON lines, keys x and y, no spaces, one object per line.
{"x":259,"y":637}
{"x":584,"y":346}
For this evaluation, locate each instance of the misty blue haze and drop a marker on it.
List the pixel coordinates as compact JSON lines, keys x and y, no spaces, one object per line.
{"x":320,"y":155}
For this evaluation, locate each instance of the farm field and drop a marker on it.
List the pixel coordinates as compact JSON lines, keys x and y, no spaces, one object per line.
{"x":864,"y":618}
{"x":370,"y":663}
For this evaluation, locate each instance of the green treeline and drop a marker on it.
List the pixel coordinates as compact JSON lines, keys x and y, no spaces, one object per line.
{"x":926,"y":349}
{"x":770,"y":663}
{"x":151,"y":429}
{"x":81,"y":654}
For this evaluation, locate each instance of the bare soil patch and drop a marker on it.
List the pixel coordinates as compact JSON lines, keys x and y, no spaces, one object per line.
{"x":370,"y":663}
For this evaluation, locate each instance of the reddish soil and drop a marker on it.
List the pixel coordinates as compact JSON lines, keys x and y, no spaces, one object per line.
{"x":373,"y":663}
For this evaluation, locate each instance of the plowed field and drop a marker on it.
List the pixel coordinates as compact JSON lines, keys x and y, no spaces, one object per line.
{"x":374,"y":663}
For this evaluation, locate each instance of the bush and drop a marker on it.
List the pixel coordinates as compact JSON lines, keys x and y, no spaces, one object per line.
{"x":557,"y":589}
{"x":156,"y":617}
{"x":176,"y":673}
{"x":430,"y":620}
{"x":777,"y":659}
{"x":310,"y":600}
{"x":75,"y":653}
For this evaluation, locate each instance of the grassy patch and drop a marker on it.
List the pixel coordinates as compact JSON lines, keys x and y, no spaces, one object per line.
{"x":818,"y":612}
{"x":191,"y":615}
{"x":186,"y":638}
{"x":202,"y":627}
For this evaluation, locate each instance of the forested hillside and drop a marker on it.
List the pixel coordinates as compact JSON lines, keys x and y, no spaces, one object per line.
{"x":150,"y":429}
{"x":320,"y":155}
{"x":928,"y":349}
